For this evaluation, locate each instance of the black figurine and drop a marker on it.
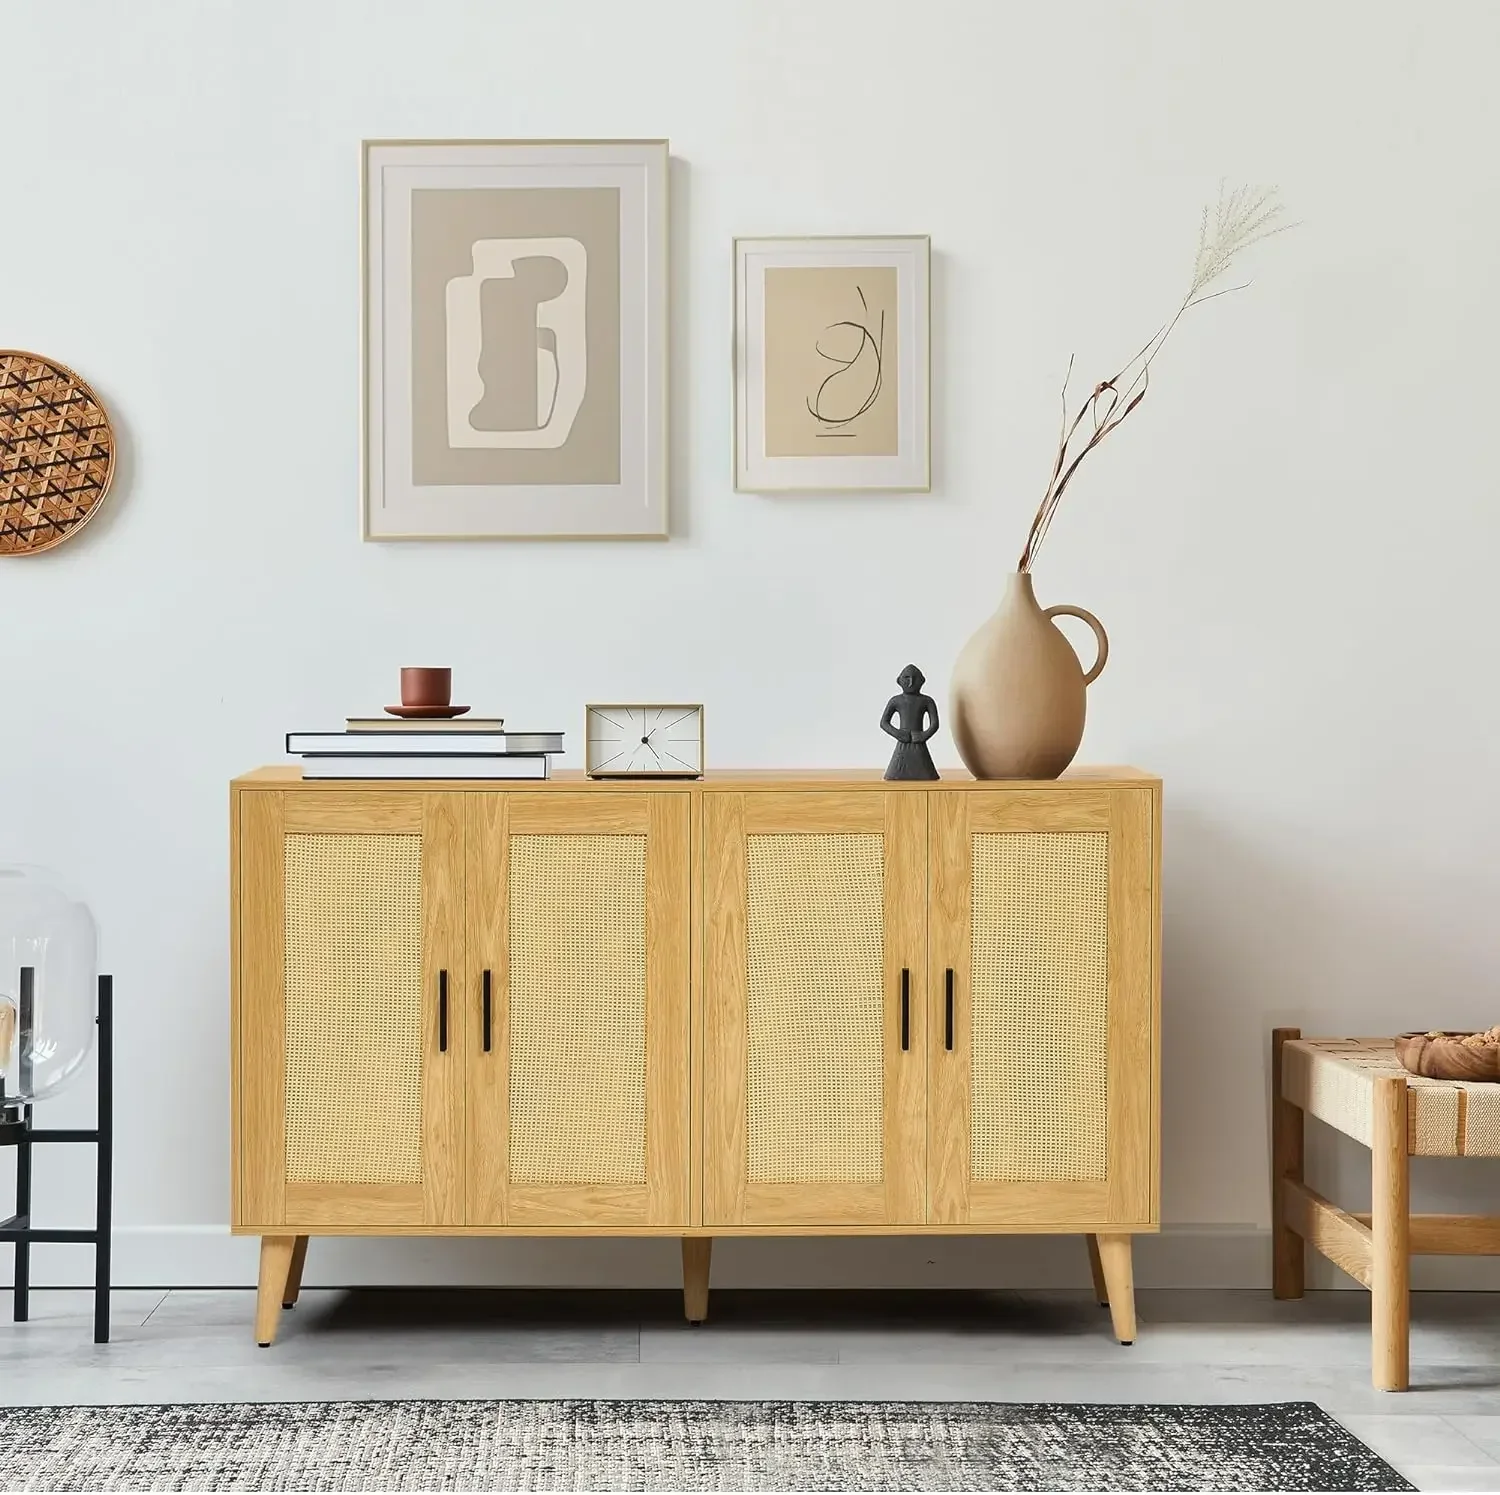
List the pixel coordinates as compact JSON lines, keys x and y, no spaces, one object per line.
{"x":911,"y":760}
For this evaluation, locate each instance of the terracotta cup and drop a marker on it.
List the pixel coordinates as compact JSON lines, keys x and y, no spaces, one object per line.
{"x":424,"y":686}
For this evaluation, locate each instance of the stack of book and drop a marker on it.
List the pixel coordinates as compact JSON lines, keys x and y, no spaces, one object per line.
{"x":388,"y":747}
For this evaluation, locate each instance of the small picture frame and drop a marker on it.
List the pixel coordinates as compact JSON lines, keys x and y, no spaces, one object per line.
{"x":832,"y":365}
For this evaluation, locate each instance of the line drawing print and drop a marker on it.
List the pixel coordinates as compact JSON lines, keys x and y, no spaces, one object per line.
{"x":854,"y":371}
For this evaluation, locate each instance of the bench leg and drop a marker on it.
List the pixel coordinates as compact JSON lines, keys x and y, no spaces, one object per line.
{"x":1288,"y":1250}
{"x":1119,"y":1282}
{"x":1390,"y":1231}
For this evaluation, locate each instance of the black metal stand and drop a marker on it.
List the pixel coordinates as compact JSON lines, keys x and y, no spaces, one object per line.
{"x":16,"y":1130}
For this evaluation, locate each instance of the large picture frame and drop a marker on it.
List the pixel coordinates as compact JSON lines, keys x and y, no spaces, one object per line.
{"x":832,"y":365}
{"x":514,"y":339}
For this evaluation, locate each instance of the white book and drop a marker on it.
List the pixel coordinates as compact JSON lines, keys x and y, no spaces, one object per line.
{"x":495,"y":766}
{"x":393,"y":744}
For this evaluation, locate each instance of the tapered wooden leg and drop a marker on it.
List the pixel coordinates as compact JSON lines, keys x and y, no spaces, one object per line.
{"x":294,"y":1274}
{"x":1119,"y":1284}
{"x":1390,"y":1231}
{"x":1288,"y":1250}
{"x":275,"y":1262}
{"x":696,"y":1252}
{"x":1096,"y":1269}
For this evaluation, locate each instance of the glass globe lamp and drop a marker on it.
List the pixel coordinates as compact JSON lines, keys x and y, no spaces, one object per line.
{"x":48,"y":983}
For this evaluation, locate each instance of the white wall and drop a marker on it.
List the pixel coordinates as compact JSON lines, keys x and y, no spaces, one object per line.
{"x":1293,"y":543}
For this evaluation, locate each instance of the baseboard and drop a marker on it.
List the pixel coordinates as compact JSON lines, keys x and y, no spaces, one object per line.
{"x":1181,"y":1256}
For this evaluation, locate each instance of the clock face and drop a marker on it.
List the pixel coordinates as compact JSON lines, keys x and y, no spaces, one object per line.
{"x":645,"y":740}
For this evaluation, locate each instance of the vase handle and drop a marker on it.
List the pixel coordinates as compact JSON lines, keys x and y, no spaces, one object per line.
{"x":1077,"y":612}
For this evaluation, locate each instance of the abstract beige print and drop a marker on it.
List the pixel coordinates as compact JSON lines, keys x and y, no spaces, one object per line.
{"x":830,"y":361}
{"x":497,"y":315}
{"x":515,"y":336}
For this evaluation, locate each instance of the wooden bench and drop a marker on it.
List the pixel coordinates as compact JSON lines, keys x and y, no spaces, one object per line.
{"x":1358,"y":1086}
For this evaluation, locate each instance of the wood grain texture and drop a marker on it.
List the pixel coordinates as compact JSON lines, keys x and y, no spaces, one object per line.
{"x":443,"y":949}
{"x":1028,"y":809}
{"x":1288,"y":1254}
{"x":1342,"y":1238}
{"x":360,"y":812}
{"x":1132,"y":1040}
{"x":871,"y":780}
{"x":828,"y":812}
{"x":905,"y":1122}
{"x":950,"y":946}
{"x":487,"y":1096}
{"x":260,"y":1038}
{"x":695,"y":1012}
{"x":723,"y":1003}
{"x":319,"y":1209}
{"x":697,"y":1254}
{"x":1096,"y":1271}
{"x":605,"y":814}
{"x":236,"y":1093}
{"x":1115,"y":1261}
{"x":668,"y":1009}
{"x":789,"y":1231}
{"x":275,"y":1263}
{"x":592,"y":1205}
{"x":1155,"y":791}
{"x":1451,"y":1235}
{"x":1390,"y":1210}
{"x":293,"y":1288}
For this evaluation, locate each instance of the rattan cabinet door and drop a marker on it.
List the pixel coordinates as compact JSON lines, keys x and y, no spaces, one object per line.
{"x":1043,"y":1051}
{"x":580,"y":913}
{"x":813,"y":1007}
{"x":350,"y":940}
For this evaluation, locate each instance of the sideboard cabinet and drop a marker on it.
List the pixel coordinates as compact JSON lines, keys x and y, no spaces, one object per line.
{"x":755,"y":1004}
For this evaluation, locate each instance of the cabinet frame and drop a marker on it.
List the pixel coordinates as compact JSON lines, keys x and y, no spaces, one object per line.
{"x":258,"y":798}
{"x":495,"y":1201}
{"x":1125,"y":1197}
{"x":730,"y":1198}
{"x":265,"y":1198}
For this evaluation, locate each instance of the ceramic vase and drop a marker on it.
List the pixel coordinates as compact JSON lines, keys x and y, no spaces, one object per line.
{"x":1019,"y":692}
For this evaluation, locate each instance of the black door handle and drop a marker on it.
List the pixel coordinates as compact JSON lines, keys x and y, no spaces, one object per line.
{"x":905,"y":1008}
{"x":948,"y":1010}
{"x":442,"y":1012}
{"x":486,"y":1012}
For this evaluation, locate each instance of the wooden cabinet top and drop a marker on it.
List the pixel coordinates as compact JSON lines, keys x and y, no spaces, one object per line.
{"x":289,"y":776}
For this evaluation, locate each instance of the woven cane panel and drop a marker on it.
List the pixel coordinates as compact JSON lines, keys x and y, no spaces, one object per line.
{"x":578,"y":1009}
{"x":816,"y":998}
{"x":1040,"y":988}
{"x":354,"y":1009}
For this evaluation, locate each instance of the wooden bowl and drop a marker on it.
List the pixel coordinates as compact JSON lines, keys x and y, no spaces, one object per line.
{"x":1445,"y":1058}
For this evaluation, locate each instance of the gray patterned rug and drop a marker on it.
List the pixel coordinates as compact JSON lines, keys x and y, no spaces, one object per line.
{"x":640,"y":1445}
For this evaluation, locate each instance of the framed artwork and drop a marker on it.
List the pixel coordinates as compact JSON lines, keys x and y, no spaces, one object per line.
{"x":515,"y":339}
{"x":831,"y":365}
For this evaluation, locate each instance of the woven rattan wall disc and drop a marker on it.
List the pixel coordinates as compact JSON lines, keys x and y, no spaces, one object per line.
{"x":57,"y":453}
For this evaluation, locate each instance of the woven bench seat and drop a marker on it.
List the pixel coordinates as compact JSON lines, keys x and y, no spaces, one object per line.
{"x":1334,"y":1080}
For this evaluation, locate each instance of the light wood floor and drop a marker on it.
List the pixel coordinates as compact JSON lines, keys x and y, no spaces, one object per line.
{"x":1055,"y":1346}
